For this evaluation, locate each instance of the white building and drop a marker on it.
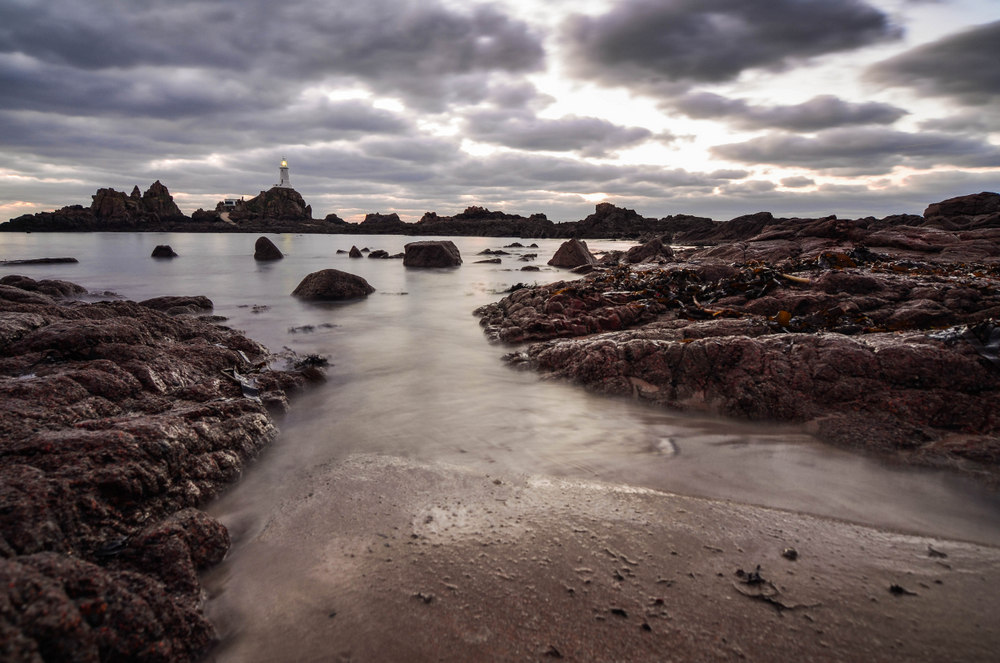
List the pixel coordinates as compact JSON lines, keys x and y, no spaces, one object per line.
{"x":283,"y":179}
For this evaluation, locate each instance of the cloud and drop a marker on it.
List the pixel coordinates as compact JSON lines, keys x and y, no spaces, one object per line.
{"x":589,"y":136}
{"x":418,"y":50}
{"x":962,"y":66}
{"x":821,"y":112}
{"x":797,"y":182}
{"x":660,"y":45}
{"x":863,"y":150}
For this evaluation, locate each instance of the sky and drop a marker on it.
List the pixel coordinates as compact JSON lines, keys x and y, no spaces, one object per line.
{"x":710,"y":107}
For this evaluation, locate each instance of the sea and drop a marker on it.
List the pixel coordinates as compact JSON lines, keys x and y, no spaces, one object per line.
{"x":412,"y":376}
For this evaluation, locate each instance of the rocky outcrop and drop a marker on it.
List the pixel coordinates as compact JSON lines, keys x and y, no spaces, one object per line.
{"x":652,"y":251}
{"x":264,"y":249}
{"x":332,"y":285}
{"x":885,"y":339}
{"x":109,"y":210}
{"x":118,"y":421}
{"x":355,"y":252}
{"x":276,"y":204}
{"x":433,"y":253}
{"x":572,"y":253}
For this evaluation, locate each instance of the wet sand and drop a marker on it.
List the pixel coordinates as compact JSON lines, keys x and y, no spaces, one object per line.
{"x":376,"y":558}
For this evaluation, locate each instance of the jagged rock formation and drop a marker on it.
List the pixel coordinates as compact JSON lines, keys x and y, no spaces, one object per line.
{"x":276,"y":204}
{"x":110,"y":210}
{"x":572,"y":253}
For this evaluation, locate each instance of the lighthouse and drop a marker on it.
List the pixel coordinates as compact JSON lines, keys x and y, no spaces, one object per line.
{"x":283,"y":180}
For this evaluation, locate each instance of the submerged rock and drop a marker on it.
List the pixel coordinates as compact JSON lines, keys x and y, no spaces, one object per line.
{"x":332,"y":284}
{"x":432,"y":253}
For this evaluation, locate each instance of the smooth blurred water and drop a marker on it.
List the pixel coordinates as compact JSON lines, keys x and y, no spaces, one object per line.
{"x":413,"y":375}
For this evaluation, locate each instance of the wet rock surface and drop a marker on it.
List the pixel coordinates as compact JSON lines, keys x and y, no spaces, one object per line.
{"x":332,"y":285}
{"x":118,"y":421}
{"x":432,"y":253}
{"x":881,"y":339}
{"x":264,"y":249}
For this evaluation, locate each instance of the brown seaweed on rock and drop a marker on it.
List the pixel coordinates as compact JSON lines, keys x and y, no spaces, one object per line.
{"x":117,"y":421}
{"x":876,"y":344}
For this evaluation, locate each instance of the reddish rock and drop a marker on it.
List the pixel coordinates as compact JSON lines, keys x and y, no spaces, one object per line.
{"x":977,"y":204}
{"x":117,"y":422}
{"x":653,"y":250}
{"x":572,"y":253}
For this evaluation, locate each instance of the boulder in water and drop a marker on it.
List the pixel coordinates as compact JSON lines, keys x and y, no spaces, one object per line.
{"x":354,"y":253}
{"x":332,"y":285}
{"x":265,"y":249}
{"x":163,"y":251}
{"x":572,"y":253}
{"x":432,"y":253}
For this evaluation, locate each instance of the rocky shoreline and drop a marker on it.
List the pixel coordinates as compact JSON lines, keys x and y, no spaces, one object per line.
{"x":879,"y":337}
{"x":120,"y":419}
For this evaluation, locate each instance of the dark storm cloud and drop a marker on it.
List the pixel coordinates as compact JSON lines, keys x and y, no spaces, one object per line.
{"x":821,"y":112}
{"x":589,"y":136}
{"x":655,"y":44}
{"x":419,"y":50}
{"x":864,"y":150}
{"x":962,"y":66}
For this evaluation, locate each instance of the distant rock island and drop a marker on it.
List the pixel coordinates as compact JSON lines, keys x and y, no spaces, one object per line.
{"x":282,"y":209}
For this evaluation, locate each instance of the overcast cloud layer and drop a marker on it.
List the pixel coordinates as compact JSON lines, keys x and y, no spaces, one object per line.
{"x":716,"y":107}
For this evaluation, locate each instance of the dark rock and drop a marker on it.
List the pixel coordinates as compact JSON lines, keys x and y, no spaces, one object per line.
{"x":652,"y":250}
{"x":264,"y":249}
{"x":41,"y":261}
{"x":847,"y":340}
{"x":977,"y":204}
{"x":432,"y":253}
{"x":332,"y":284}
{"x":115,"y":425}
{"x":379,"y":254}
{"x":50,"y":287}
{"x":531,"y":268}
{"x":489,"y":261}
{"x":163,"y":251}
{"x":206,"y":216}
{"x":572,"y":253}
{"x":172,"y":305}
{"x":354,"y":253}
{"x":276,"y":204}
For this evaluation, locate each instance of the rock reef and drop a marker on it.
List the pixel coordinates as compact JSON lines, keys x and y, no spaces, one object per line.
{"x":118,"y":422}
{"x":878,"y":337}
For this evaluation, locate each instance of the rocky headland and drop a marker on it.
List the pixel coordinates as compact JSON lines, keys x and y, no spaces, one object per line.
{"x":120,"y":419}
{"x":878,"y":335}
{"x":282,"y":209}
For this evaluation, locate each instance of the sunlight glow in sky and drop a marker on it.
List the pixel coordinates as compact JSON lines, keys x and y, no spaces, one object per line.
{"x":711,"y":107}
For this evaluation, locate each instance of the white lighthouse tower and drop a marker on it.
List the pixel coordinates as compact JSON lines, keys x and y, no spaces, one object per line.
{"x":283,"y":180}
